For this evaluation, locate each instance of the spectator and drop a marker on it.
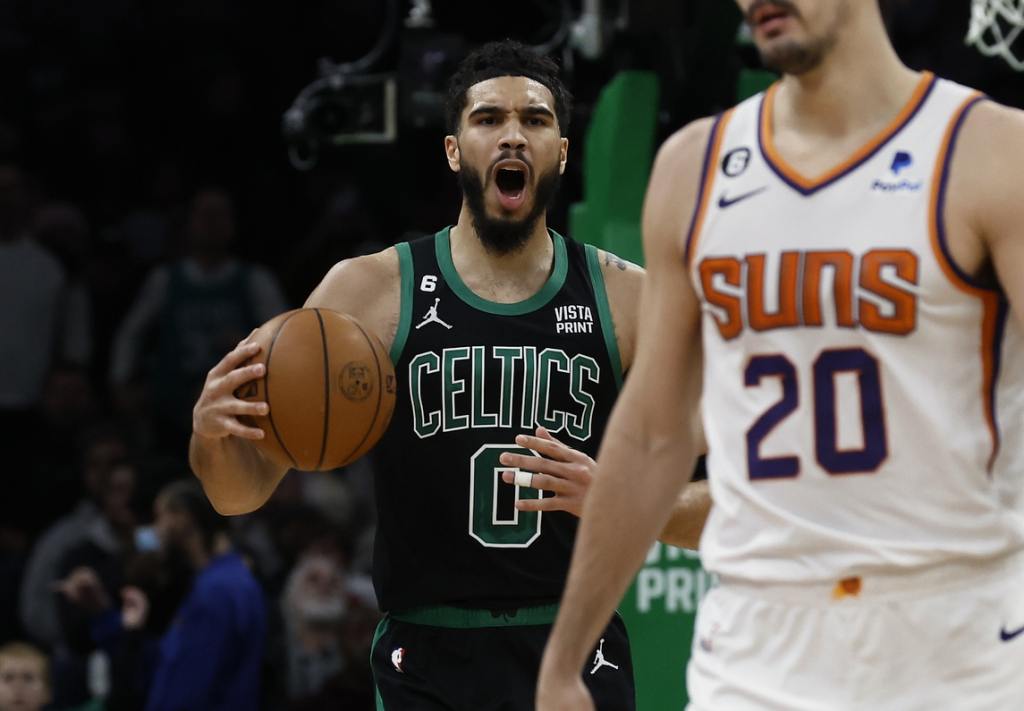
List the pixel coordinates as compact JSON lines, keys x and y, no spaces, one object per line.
{"x":211,"y":657}
{"x":32,"y":289}
{"x":33,"y":322}
{"x":329,"y":619}
{"x":313,"y":607}
{"x":62,"y":228}
{"x":198,"y":307}
{"x":104,"y":447}
{"x":24,"y":678}
{"x":96,"y":566}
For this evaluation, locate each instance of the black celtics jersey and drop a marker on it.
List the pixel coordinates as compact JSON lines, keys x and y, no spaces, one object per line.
{"x":472,"y":374}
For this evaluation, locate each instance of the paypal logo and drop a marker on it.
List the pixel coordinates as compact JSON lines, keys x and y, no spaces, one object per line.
{"x":901,"y":161}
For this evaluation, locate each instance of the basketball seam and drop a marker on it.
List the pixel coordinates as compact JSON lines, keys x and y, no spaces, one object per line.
{"x":376,"y":412}
{"x":327,"y":390}
{"x":266,"y":390}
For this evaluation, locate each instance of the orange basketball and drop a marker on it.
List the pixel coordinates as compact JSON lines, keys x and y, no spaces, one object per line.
{"x":330,"y":386}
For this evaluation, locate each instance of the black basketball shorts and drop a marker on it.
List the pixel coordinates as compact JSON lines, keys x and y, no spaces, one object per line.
{"x":476,"y":660}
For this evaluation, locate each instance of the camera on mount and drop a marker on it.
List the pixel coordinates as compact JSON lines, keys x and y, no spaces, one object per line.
{"x":340,"y":109}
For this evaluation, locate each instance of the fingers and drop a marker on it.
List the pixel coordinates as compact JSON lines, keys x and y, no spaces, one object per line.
{"x":543,"y":433}
{"x":576,"y":472}
{"x":543,"y":482}
{"x":240,"y":376}
{"x":241,"y":353}
{"x":236,"y":428}
{"x":245,"y":407}
{"x":132,"y":595}
{"x":551,"y":503}
{"x":548,"y":446}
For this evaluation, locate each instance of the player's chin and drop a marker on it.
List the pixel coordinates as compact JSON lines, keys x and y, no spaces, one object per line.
{"x":781,"y":39}
{"x":498,"y":213}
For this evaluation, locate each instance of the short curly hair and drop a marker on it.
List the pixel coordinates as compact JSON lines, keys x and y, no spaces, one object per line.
{"x":507,"y":58}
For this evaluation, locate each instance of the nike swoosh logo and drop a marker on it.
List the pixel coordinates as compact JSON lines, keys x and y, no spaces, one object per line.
{"x":724,"y":202}
{"x":1005,"y":636}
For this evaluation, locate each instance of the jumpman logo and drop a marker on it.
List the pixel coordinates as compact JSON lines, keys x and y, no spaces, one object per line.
{"x":432,"y":317}
{"x":600,"y":661}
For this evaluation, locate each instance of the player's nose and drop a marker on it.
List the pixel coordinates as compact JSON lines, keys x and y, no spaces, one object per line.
{"x":512,"y":137}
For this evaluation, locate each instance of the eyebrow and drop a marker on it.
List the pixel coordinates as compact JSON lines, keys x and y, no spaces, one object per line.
{"x":491,"y":109}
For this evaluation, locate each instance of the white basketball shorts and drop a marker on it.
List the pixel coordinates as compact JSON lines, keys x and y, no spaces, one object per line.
{"x":950,"y":639}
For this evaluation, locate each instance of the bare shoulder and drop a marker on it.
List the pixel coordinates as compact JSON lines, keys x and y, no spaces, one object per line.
{"x":672,"y":192}
{"x":991,"y":141}
{"x":624,"y":282}
{"x":989,"y":119}
{"x":367,"y":287}
{"x":985,"y":171}
{"x":619,"y":270}
{"x":685,"y":148}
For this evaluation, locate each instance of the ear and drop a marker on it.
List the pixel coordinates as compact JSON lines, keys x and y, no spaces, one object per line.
{"x":451,"y":150}
{"x":563,"y":155}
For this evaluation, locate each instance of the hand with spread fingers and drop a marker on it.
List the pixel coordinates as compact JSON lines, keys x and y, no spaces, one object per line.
{"x":560,"y":470}
{"x":216,"y":413}
{"x":134,"y":607}
{"x":82,"y":587}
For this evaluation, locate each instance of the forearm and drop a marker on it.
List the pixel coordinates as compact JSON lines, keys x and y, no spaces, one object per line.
{"x":637,"y":484}
{"x":235,"y":476}
{"x":689,"y":514}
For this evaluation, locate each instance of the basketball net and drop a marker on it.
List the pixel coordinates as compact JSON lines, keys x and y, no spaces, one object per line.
{"x":995,"y":25}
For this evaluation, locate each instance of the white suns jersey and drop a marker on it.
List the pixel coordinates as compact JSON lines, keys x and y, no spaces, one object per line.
{"x":863,"y":397}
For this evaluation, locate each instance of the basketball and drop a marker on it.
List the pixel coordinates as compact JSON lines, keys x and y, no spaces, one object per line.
{"x":330,"y":386}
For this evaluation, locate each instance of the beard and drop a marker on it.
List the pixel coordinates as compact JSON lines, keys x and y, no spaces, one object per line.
{"x":796,"y":58}
{"x":500,"y":235}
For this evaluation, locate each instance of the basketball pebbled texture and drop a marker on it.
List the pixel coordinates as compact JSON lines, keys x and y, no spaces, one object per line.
{"x":330,"y":385}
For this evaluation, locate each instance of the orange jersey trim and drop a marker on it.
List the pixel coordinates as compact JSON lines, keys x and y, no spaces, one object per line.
{"x":991,"y":299}
{"x":805,"y":184}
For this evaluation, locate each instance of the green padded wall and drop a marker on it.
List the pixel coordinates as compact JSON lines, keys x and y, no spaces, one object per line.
{"x":617,"y":156}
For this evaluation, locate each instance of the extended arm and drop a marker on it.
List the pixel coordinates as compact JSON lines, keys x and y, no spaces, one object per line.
{"x":645,"y":459}
{"x":237,"y":478}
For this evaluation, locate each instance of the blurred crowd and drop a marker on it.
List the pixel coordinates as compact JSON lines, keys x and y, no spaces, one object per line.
{"x":120,"y":587}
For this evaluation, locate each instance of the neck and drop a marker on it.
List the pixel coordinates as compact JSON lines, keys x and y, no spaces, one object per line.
{"x":860,"y":79}
{"x":533,"y":261}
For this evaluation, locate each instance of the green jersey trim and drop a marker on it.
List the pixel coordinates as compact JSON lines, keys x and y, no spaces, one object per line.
{"x":443,"y":248}
{"x":463,"y":618}
{"x":604,"y":312}
{"x":405,"y":268}
{"x":382,"y":627}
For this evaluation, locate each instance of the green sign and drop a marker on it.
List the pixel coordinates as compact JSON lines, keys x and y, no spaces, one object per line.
{"x":660,"y":609}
